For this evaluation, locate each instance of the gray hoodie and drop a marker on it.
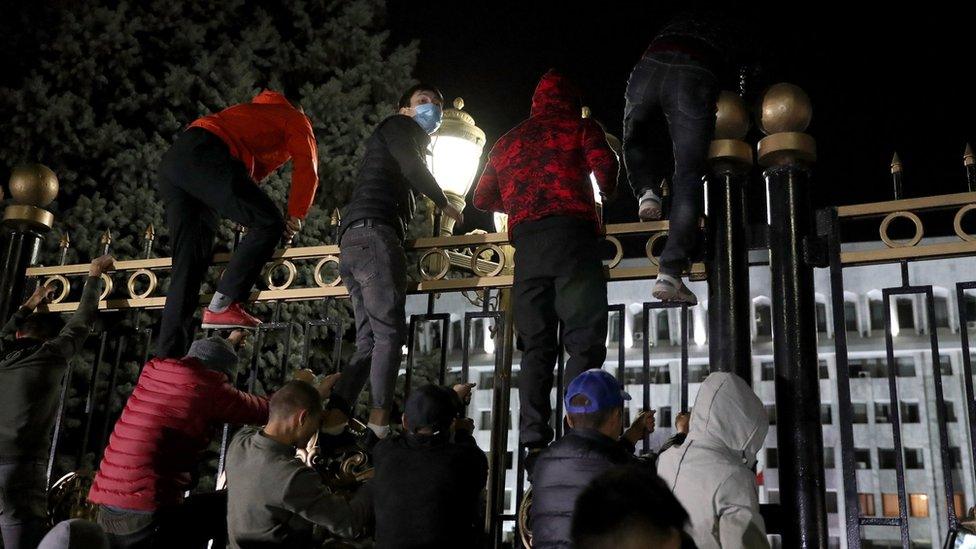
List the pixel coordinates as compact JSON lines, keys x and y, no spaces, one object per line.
{"x":711,"y":473}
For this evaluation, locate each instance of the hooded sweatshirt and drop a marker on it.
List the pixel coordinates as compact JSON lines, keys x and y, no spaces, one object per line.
{"x":542,"y":167}
{"x":711,"y":473}
{"x":263,"y":135}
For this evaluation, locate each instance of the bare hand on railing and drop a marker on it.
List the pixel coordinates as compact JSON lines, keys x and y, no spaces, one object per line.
{"x":236,"y":338}
{"x":463,"y":424}
{"x":453,"y":213}
{"x":681,"y":422}
{"x":328,"y":382}
{"x":101,"y":264}
{"x":641,"y":427}
{"x":463,"y":391}
{"x":40,"y":296}
{"x":292,"y":226}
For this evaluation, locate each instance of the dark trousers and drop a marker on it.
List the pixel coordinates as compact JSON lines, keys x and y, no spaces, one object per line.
{"x":669,"y":117}
{"x":559,"y":277}
{"x":23,"y":503}
{"x":201,"y":183}
{"x":374,"y":270}
{"x":192,"y":524}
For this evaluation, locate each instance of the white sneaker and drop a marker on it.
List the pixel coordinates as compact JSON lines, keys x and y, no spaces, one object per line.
{"x":649,"y":208}
{"x":672,"y":289}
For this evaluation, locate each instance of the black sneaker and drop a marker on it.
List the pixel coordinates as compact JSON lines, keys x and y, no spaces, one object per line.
{"x":529,"y":459}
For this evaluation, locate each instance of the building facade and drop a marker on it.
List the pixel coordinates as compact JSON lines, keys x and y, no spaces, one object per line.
{"x":871,"y":407}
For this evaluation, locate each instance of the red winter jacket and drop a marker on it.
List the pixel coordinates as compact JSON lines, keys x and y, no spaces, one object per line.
{"x":164,"y":429}
{"x":542,"y":167}
{"x":264,"y":134}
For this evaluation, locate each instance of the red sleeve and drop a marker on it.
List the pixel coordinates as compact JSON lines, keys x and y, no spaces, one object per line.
{"x":600,"y":157}
{"x":233,"y":406}
{"x":304,"y":168}
{"x":487,"y":196}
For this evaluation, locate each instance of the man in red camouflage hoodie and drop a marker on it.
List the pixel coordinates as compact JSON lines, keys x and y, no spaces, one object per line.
{"x":539,"y":174}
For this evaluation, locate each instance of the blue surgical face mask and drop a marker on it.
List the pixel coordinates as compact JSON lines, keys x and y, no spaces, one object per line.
{"x":428,"y":115}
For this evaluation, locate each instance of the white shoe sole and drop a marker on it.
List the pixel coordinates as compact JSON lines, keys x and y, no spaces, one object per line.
{"x":669,"y":293}
{"x":227,"y":326}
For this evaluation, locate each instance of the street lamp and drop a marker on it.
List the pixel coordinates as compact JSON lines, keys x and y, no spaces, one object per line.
{"x":455,"y":154}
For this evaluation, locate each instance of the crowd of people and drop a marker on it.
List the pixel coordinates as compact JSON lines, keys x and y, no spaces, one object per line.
{"x":589,"y":490}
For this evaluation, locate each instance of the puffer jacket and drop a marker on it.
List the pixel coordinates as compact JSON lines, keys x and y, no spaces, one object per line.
{"x":561,"y":474}
{"x":711,"y":473}
{"x":542,"y":167}
{"x":167,"y":424}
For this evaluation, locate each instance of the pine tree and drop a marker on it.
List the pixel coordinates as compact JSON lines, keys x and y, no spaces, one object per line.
{"x":114,"y":81}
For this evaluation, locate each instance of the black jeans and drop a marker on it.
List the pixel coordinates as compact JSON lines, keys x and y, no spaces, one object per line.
{"x":200,"y":183}
{"x":670,"y":117}
{"x":192,"y":524}
{"x":559,"y":277}
{"x":23,"y":502}
{"x":374,"y":270}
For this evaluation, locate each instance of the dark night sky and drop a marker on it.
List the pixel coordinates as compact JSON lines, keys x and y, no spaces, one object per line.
{"x":899,"y":78}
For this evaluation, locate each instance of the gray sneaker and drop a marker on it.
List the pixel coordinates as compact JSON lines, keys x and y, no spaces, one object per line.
{"x":665,"y":290}
{"x":649,"y":210}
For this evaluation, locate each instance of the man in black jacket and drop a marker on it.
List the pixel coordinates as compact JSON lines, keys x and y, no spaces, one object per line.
{"x":35,"y":353}
{"x":594,"y":410}
{"x":427,"y":489}
{"x":374,"y":266}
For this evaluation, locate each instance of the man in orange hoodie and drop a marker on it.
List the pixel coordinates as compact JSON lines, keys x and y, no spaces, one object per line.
{"x":212,"y":172}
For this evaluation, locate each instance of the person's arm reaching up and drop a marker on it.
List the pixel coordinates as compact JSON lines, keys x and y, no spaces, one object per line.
{"x":16,"y":322}
{"x":69,"y":341}
{"x":600,"y":158}
{"x":304,"y":167}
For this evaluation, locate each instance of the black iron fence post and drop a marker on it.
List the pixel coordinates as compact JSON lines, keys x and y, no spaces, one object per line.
{"x":33,"y":187}
{"x":969,"y":162}
{"x":727,"y":260}
{"x":786,"y":154}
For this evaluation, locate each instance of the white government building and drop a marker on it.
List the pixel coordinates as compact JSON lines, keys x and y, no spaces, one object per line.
{"x":874,"y":452}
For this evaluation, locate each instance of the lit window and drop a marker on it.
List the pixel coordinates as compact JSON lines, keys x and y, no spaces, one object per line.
{"x":918,"y":505}
{"x":865,"y":503}
{"x":889,"y":505}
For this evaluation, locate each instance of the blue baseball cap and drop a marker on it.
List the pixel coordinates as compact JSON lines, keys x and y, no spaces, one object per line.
{"x":599,"y":387}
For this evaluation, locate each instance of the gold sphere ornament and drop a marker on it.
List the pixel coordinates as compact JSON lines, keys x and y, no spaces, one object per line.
{"x":785,"y":108}
{"x":731,"y":117}
{"x":33,"y":185}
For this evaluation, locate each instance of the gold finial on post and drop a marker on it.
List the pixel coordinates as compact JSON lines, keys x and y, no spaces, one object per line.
{"x":65,"y":241}
{"x":33,"y":187}
{"x":665,"y":188}
{"x":459,"y":103}
{"x":968,"y":157}
{"x":150,"y":233}
{"x":336,"y":218}
{"x":586,"y":113}
{"x":895,"y":163}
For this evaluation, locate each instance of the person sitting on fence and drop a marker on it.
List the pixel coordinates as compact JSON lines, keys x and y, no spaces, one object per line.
{"x":539,"y":174}
{"x":274,"y":499}
{"x":594,"y":411}
{"x":374,"y":267}
{"x":158,"y":442}
{"x":34,"y":354}
{"x":211,"y":172}
{"x":712,"y":472}
{"x":429,"y":480}
{"x":628,"y":507}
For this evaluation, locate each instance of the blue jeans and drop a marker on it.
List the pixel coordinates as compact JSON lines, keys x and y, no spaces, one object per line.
{"x":23,"y":503}
{"x":669,"y":121}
